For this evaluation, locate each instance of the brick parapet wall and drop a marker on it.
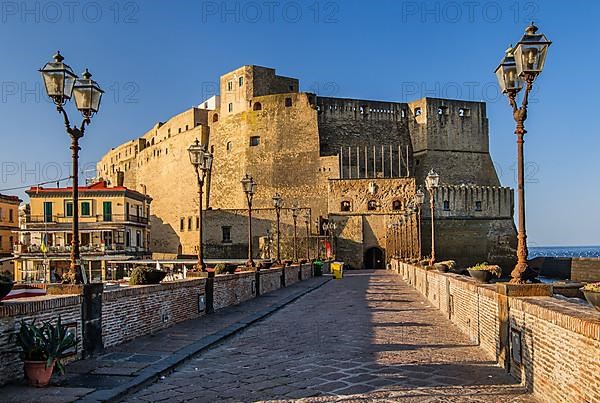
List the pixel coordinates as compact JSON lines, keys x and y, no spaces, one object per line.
{"x":134,"y":311}
{"x":560,"y":340}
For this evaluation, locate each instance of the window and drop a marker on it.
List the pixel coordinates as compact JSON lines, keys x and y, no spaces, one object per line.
{"x":446,"y":205}
{"x":418,"y":112}
{"x":230,"y":107}
{"x":187,"y":127}
{"x":254,"y":141}
{"x":0,"y":213}
{"x":138,"y":239}
{"x":197,"y":222}
{"x":68,"y":209}
{"x":107,"y":211}
{"x":189,"y":223}
{"x":464,"y":112}
{"x":241,"y":81}
{"x":396,"y":205}
{"x":345,"y":206}
{"x":292,"y":88}
{"x":226,"y":234}
{"x":181,"y":224}
{"x":288,"y":102}
{"x":229,"y":146}
{"x":128,"y":238}
{"x":477,"y":206}
{"x":257,"y":106}
{"x":229,"y":85}
{"x":86,"y":209}
{"x":372,"y":205}
{"x":215,"y":117}
{"x":11,"y":241}
{"x":47,"y":211}
{"x":10,"y":215}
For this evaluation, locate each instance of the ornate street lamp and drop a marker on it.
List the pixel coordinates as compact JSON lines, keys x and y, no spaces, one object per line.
{"x":307,"y":223}
{"x":295,"y":210}
{"x":278,"y":204}
{"x":419,"y":199}
{"x":61,"y":84}
{"x":201,"y":160}
{"x":409,"y":232}
{"x":431,"y":183}
{"x":249,"y":187}
{"x":520,"y":66}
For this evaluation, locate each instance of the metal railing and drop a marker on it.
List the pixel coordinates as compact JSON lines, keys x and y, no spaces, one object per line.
{"x":60,"y":219}
{"x":94,"y":248}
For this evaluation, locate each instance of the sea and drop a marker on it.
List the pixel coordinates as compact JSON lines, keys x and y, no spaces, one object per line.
{"x":564,"y":251}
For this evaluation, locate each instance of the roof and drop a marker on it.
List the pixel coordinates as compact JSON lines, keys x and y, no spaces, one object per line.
{"x":101,"y":186}
{"x":8,"y":198}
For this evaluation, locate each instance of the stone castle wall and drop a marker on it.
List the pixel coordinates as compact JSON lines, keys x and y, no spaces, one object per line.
{"x":294,"y":143}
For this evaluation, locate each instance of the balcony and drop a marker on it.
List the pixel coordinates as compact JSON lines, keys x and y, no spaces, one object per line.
{"x":102,"y":218}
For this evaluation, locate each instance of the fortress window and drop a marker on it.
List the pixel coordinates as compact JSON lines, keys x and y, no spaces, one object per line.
{"x":464,"y":112}
{"x":229,"y":146}
{"x":288,"y":102}
{"x":257,"y":106}
{"x":181,"y":224}
{"x":178,"y":131}
{"x":215,"y":117}
{"x":446,"y":205}
{"x":186,"y":128}
{"x":418,"y":112}
{"x":229,"y":85}
{"x":189,"y":223}
{"x":396,"y":205}
{"x":226,"y":231}
{"x":345,"y":206}
{"x":241,"y":81}
{"x":442,"y":110}
{"x":230,"y":107}
{"x":477,"y":206}
{"x":254,"y":141}
{"x":169,"y":132}
{"x":197,"y":222}
{"x":372,"y":205}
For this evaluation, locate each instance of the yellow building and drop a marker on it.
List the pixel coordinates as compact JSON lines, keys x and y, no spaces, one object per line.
{"x":9,"y":223}
{"x":113,"y":225}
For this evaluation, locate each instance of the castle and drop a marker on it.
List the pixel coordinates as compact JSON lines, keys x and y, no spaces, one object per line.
{"x":351,"y":161}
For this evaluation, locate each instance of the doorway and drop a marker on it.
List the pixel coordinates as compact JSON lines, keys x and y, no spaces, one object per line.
{"x":374,"y":259}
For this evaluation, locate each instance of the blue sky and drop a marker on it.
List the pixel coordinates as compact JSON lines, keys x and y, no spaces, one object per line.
{"x":157,"y":58}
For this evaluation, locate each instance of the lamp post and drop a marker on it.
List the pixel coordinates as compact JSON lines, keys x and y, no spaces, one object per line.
{"x":409,"y":232}
{"x":61,"y":84}
{"x":307,"y":223}
{"x":418,"y":202}
{"x":295,"y":210}
{"x":278,"y":204}
{"x":269,"y":240}
{"x":249,"y":187}
{"x":202,"y":162}
{"x":520,"y":66}
{"x":431,"y":183}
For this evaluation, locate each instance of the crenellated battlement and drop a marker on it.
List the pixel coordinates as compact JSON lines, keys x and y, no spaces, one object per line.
{"x":474,"y":201}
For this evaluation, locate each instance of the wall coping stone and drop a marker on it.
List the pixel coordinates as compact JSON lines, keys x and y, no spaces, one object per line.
{"x":24,"y":306}
{"x":229,"y":277}
{"x":116,"y":293}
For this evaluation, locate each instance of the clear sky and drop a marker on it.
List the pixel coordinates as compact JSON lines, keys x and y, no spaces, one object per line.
{"x":158,"y":58}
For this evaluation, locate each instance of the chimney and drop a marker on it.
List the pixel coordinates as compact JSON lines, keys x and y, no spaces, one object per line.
{"x":120,"y":178}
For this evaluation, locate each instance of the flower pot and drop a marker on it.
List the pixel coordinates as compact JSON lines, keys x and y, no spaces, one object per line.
{"x":5,"y":288}
{"x":442,"y":268}
{"x":37,"y":373}
{"x":593,"y":298}
{"x":482,"y":276}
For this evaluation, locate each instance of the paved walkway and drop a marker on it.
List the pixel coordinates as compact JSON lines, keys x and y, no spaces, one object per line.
{"x":364,"y":338}
{"x":127,"y":365}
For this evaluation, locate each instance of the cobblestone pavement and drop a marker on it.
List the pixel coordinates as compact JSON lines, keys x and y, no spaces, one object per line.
{"x":368,"y":337}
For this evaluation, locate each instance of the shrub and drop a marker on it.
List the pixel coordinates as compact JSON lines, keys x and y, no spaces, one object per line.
{"x":225,"y":268}
{"x":142,"y":275}
{"x":594,"y":287}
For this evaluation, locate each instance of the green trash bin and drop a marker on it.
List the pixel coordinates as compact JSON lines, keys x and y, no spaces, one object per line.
{"x":318,"y":266}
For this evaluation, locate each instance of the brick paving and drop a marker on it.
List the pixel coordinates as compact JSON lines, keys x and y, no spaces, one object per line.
{"x":368,"y":337}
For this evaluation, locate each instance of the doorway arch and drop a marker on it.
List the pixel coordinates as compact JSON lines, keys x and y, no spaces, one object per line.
{"x":374,"y":259}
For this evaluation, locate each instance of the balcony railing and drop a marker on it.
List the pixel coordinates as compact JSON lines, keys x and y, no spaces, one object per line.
{"x":60,"y":219}
{"x":20,"y":249}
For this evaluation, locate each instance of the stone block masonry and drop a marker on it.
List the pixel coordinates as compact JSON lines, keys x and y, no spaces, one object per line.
{"x":135,"y":311}
{"x":551,"y":345}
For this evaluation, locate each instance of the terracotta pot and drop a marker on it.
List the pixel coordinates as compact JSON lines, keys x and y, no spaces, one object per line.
{"x":593,"y":298}
{"x":483,"y":276}
{"x":37,"y":373}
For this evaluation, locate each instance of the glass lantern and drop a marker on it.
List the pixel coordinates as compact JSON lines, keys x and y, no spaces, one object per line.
{"x":530,"y":52}
{"x":87,"y":94}
{"x":59,"y":79}
{"x":506,"y":73}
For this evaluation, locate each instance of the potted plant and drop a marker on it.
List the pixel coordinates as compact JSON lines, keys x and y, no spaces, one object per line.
{"x":483,"y":272}
{"x":445,"y":266}
{"x":142,"y":275}
{"x":42,"y":347}
{"x":6,"y":284}
{"x":592,"y":294}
